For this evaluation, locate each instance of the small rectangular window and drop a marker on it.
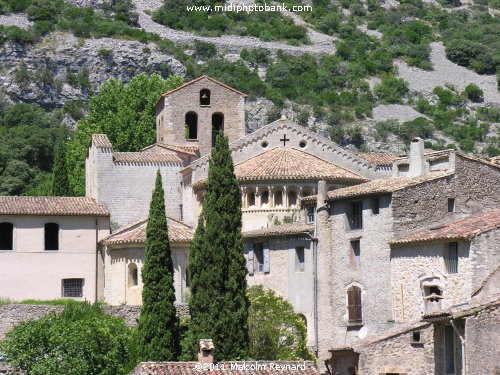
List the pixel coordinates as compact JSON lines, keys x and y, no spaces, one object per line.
{"x":451,"y":205}
{"x":51,"y":236}
{"x":355,"y":256}
{"x":299,"y":259}
{"x":259,"y":257}
{"x":375,"y":206}
{"x":355,"y":216}
{"x":310,"y":214}
{"x":451,"y":258}
{"x":72,"y":288}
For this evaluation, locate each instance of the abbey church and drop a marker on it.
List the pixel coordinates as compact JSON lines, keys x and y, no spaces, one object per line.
{"x":388,"y":259}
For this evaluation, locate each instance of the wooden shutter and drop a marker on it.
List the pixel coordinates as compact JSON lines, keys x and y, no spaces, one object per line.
{"x":358,"y":305}
{"x":267,"y":265}
{"x":250,"y":258}
{"x":354,"y":304}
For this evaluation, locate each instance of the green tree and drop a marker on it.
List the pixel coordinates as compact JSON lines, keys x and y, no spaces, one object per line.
{"x":125,"y":113}
{"x":474,"y":93}
{"x":276,"y":331}
{"x":81,"y":340}
{"x":158,"y":323}
{"x":60,"y":182}
{"x":391,"y":89}
{"x":219,"y":304}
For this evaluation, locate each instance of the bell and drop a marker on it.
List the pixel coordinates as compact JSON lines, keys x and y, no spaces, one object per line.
{"x":204,"y":96}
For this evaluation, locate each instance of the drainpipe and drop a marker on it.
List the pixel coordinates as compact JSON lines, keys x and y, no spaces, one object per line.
{"x":462,"y":343}
{"x":96,"y":258}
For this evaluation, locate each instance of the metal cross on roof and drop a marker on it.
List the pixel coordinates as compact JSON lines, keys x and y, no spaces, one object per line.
{"x":284,"y":139}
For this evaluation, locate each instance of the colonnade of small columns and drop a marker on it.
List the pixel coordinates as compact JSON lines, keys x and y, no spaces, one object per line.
{"x":271,"y":196}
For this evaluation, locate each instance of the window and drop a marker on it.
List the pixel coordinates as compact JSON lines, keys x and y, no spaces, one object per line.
{"x":6,"y":236}
{"x":356,"y":216}
{"x":432,"y":298}
{"x":51,"y":236}
{"x":354,"y":304}
{"x":217,"y":126}
{"x":191,"y":125}
{"x":416,"y":337}
{"x":310,"y":214}
{"x":205,"y":97}
{"x":375,"y":206}
{"x":355,"y":256}
{"x":451,"y":258}
{"x":259,"y":257}
{"x":451,"y":205}
{"x":292,"y":198}
{"x":306,"y":193}
{"x":300,"y":265}
{"x":188,"y":278}
{"x":278,"y":198}
{"x":251,"y":199}
{"x":72,"y":288}
{"x":133,"y":275}
{"x":264,"y":198}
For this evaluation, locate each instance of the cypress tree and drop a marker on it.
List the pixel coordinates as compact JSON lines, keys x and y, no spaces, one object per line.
{"x":158,"y":323}
{"x":60,"y":181}
{"x":219,"y":303}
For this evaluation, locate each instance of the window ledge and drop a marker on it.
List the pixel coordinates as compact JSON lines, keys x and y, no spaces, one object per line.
{"x":355,"y":324}
{"x":417,"y":343}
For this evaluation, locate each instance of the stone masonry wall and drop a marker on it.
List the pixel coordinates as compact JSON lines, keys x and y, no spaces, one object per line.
{"x":14,"y":314}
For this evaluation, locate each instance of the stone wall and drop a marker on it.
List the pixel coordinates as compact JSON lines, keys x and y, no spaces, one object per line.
{"x":398,"y":353}
{"x":13,"y":314}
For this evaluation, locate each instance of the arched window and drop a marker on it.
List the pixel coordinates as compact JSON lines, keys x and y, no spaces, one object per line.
{"x":251,"y":199}
{"x":354,"y":304}
{"x":278,"y":198}
{"x":306,"y":192}
{"x":292,"y":198}
{"x":6,"y":236}
{"x":264,"y":199}
{"x":204,"y":97}
{"x":191,"y":125}
{"x":217,"y":126}
{"x":133,"y":275}
{"x":51,"y":236}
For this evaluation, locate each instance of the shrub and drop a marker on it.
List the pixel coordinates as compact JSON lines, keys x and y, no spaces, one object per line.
{"x":18,"y":35}
{"x":204,"y":50}
{"x":391,"y":89}
{"x":474,"y":93}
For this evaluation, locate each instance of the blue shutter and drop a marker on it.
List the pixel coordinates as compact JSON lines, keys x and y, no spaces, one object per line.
{"x":266,"y":257}
{"x":250,"y":258}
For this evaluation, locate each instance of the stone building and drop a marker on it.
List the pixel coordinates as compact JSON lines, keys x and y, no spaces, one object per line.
{"x":333,"y":231}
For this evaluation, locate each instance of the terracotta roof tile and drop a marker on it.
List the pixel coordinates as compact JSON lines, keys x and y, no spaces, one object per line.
{"x":467,"y":228}
{"x":291,"y":164}
{"x":380,"y":186}
{"x":64,"y":206}
{"x":192,"y":150}
{"x":145,"y":157}
{"x":279,"y":230}
{"x":378,"y":158}
{"x":136,"y":233}
{"x":196,"y":80}
{"x":101,"y":141}
{"x":229,"y":368}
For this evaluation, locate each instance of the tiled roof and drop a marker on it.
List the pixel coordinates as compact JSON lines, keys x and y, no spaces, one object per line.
{"x":229,"y":368}
{"x":467,"y":228}
{"x":145,"y":157}
{"x":380,"y":186}
{"x":196,"y":80}
{"x":184,"y":149}
{"x":461,"y":311}
{"x":291,"y":164}
{"x":136,"y":233}
{"x":101,"y":141}
{"x":378,"y":158}
{"x":78,"y":206}
{"x":279,"y":230}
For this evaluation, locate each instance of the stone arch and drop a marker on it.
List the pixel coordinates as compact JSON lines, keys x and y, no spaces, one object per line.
{"x":278,"y":198}
{"x":292,"y":197}
{"x":217,"y":125}
{"x":133,"y":275}
{"x":250,"y":198}
{"x":204,"y":97}
{"x":191,"y":121}
{"x":264,"y":198}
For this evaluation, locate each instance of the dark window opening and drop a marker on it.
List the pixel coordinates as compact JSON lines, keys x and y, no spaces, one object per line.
{"x":191,"y":125}
{"x":217,"y":126}
{"x":188,"y":278}
{"x":264,"y":198}
{"x":416,"y":336}
{"x":51,"y":236}
{"x":72,"y":288}
{"x":451,"y":258}
{"x":205,"y":97}
{"x":292,"y":198}
{"x":6,"y":236}
{"x":375,"y":206}
{"x":451,"y":205}
{"x":355,"y":256}
{"x":310,"y":214}
{"x":251,"y":199}
{"x":354,"y":304}
{"x":356,"y":216}
{"x":259,"y":256}
{"x":300,"y":265}
{"x":449,"y":349}
{"x":278,"y":198}
{"x":133,"y":275}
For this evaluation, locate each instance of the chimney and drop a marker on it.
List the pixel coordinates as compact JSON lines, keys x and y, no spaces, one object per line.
{"x":206,"y":352}
{"x":417,"y":158}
